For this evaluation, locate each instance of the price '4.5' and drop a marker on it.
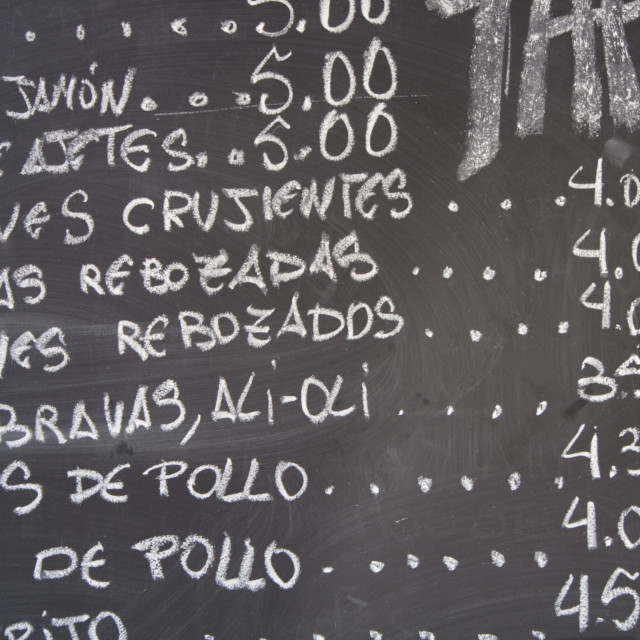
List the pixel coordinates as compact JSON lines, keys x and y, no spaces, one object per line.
{"x":610,"y":593}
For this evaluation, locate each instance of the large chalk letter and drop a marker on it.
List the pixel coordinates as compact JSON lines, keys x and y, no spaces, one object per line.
{"x":156,"y":549}
{"x":52,"y":574}
{"x":487,"y":65}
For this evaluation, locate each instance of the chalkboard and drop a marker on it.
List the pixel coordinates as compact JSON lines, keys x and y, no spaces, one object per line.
{"x":319,"y":319}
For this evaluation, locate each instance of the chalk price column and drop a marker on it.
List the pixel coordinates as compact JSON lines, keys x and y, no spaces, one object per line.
{"x":334,"y":118}
{"x":596,"y":244}
{"x":583,"y":513}
{"x":579,"y":591}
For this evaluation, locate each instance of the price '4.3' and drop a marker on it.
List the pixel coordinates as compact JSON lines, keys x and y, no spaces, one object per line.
{"x":632,"y":434}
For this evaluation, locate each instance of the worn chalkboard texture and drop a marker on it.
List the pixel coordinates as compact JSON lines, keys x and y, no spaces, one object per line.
{"x":319,"y":319}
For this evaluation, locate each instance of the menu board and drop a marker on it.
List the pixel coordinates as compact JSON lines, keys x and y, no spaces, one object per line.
{"x":319,"y":319}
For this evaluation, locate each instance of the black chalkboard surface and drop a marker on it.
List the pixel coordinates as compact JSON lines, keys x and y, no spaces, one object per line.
{"x":319,"y":319}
